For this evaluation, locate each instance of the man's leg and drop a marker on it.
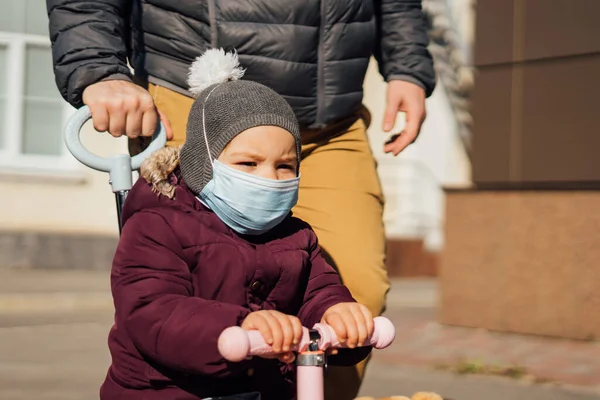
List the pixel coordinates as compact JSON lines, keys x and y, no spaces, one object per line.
{"x":340,"y":196}
{"x":176,"y":107}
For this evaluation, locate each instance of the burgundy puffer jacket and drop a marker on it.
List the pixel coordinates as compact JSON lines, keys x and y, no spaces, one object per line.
{"x":180,"y":276}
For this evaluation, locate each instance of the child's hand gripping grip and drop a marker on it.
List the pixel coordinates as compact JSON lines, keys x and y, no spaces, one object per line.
{"x":236,"y":344}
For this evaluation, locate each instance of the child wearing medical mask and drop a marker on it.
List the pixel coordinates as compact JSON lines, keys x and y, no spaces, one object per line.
{"x":209,"y":242}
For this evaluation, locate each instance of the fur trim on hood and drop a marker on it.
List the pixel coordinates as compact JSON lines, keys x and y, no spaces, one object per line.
{"x":157,"y":168}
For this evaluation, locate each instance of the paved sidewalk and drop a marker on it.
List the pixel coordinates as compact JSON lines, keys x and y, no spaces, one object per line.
{"x":421,"y":342}
{"x":27,"y":291}
{"x":382,"y":381}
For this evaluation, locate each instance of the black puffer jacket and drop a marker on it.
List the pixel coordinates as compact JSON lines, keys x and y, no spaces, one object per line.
{"x":315,"y":53}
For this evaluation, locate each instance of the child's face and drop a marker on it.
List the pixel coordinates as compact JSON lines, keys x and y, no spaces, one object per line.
{"x":265,"y":151}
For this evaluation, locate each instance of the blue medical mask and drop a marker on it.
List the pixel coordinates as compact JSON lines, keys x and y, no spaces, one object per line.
{"x":248,"y":204}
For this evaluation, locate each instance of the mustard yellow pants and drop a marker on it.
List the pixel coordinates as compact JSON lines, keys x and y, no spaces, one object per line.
{"x":340,"y":196}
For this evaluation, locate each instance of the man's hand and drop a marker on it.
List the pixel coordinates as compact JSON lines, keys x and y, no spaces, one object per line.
{"x":410,"y":99}
{"x":123,"y":108}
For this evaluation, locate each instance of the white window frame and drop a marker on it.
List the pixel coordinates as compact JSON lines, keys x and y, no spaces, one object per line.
{"x":12,"y":159}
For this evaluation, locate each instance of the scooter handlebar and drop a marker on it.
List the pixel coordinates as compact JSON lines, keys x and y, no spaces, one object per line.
{"x":236,"y":344}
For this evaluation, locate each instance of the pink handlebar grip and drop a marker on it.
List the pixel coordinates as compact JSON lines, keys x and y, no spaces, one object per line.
{"x":236,"y":344}
{"x":384,"y":334}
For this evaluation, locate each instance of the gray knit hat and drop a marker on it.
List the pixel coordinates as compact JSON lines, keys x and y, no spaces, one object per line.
{"x":223,"y":110}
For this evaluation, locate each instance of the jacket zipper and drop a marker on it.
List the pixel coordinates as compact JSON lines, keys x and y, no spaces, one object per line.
{"x":213,"y":23}
{"x":320,"y":70}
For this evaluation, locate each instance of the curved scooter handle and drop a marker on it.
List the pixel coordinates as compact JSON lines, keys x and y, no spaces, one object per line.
{"x":120,"y":166}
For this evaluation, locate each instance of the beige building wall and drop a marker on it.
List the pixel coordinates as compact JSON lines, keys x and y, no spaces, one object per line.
{"x":78,"y":202}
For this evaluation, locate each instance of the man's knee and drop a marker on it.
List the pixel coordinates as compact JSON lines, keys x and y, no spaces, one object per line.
{"x":373,"y":296}
{"x":368,"y":283}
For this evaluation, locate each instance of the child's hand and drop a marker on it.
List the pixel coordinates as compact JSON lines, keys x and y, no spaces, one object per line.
{"x":352,"y":323}
{"x":279,"y":330}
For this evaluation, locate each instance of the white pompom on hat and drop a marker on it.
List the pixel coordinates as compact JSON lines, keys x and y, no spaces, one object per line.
{"x":214,"y":66}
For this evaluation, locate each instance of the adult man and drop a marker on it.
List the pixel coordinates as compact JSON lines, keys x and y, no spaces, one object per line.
{"x":313,"y":52}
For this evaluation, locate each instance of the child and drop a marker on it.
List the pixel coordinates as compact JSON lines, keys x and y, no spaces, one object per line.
{"x":208,"y":242}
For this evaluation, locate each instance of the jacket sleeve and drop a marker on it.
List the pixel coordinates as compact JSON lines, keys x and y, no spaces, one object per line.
{"x":402,"y":43}
{"x":152,"y":290}
{"x":325,"y":289}
{"x":89,"y":43}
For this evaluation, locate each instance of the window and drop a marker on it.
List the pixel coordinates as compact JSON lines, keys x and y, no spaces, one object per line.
{"x":32,"y":112}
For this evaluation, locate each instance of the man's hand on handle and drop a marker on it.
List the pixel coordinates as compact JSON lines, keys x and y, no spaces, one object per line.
{"x":123,"y":108}
{"x":410,"y":99}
